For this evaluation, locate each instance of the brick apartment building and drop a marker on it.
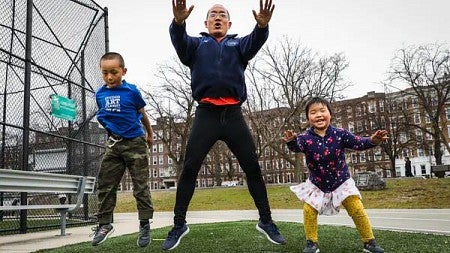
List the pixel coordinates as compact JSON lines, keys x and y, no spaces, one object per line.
{"x":361,"y":116}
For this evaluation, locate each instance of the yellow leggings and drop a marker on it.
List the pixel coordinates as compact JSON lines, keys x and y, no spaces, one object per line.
{"x":355,"y":209}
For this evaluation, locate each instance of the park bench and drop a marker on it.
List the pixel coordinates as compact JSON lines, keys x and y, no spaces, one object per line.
{"x":15,"y":181}
{"x":439,"y":170}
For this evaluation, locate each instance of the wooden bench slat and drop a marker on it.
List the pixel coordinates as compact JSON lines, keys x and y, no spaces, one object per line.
{"x":34,"y":207}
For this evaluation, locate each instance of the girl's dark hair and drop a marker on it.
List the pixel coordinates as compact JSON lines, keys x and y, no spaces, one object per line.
{"x":317,"y":100}
{"x":112,"y":56}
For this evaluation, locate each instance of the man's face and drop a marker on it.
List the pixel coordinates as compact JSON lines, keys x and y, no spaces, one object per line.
{"x":217,"y":21}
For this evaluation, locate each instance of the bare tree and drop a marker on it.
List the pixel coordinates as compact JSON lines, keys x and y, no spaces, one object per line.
{"x":282,"y":77}
{"x":395,"y":118}
{"x":426,"y":70}
{"x":172,"y":107}
{"x":221,"y":163}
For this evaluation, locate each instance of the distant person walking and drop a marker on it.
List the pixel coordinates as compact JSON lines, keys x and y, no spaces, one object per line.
{"x":408,"y":170}
{"x":121,"y":112}
{"x":217,"y":61}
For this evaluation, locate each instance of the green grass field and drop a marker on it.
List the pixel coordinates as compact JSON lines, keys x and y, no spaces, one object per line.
{"x":399,"y":194}
{"x":243,"y":237}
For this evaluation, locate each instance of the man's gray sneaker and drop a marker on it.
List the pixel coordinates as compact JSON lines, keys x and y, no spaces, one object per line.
{"x":372,"y":247}
{"x":174,"y":237}
{"x":270,"y":230}
{"x":101,"y":233}
{"x":311,"y":247}
{"x":144,"y":236}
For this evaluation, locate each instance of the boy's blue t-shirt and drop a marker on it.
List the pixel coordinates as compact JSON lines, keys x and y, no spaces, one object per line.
{"x":118,"y":110}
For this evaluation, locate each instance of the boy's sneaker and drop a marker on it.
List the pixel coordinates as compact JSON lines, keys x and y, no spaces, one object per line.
{"x":174,"y":236}
{"x":270,"y":230}
{"x":372,"y":247}
{"x":311,"y":247}
{"x":144,"y":236}
{"x":101,"y":233}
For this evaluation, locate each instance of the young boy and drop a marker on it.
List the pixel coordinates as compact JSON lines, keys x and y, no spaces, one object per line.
{"x":121,"y":112}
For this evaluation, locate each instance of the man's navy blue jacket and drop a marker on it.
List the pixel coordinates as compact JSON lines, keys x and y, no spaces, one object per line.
{"x":217,"y":68}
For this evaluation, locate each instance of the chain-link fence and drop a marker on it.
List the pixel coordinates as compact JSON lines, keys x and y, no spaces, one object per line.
{"x":49,"y":64}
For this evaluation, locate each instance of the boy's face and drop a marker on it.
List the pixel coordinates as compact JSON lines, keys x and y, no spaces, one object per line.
{"x":112,"y":72}
{"x":319,"y":116}
{"x":218,"y":21}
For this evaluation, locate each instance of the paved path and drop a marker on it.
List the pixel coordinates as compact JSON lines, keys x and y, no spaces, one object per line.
{"x":435,"y":221}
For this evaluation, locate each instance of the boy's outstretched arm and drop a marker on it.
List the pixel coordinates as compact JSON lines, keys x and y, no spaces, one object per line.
{"x":147,"y":126}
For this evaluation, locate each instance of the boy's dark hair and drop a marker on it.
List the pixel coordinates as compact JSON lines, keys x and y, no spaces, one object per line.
{"x":317,"y":100}
{"x":112,"y":56}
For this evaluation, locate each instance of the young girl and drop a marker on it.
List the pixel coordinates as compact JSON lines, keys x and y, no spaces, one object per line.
{"x":330,"y":184}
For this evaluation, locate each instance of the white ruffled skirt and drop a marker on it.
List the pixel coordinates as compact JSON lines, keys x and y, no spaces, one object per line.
{"x":325,"y":203}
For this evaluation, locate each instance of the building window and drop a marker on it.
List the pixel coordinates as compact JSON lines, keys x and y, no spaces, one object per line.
{"x":358,"y":111}
{"x":154,"y":160}
{"x":372,"y":107}
{"x":268,"y":165}
{"x":362,"y":157}
{"x":420,"y":152}
{"x":377,"y":155}
{"x":161,"y":159}
{"x":388,"y":173}
{"x":354,"y":158}
{"x":160,"y":147}
{"x":398,"y":172}
{"x":423,"y":169}
{"x":383,"y":123}
{"x":414,"y":102}
{"x":303,"y":119}
{"x":351,"y":128}
{"x":419,"y":135}
{"x":429,"y":136}
{"x":403,"y":138}
{"x":381,"y":103}
{"x":169,"y":161}
{"x":154,"y":148}
{"x":349,"y":111}
{"x":393,"y":124}
{"x":416,"y":118}
{"x":359,"y":126}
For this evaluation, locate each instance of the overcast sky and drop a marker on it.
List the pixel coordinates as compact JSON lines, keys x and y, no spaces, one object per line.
{"x":367,"y":32}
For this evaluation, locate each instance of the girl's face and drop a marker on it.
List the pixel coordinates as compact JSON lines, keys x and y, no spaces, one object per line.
{"x":319,"y":116}
{"x":112,"y":72}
